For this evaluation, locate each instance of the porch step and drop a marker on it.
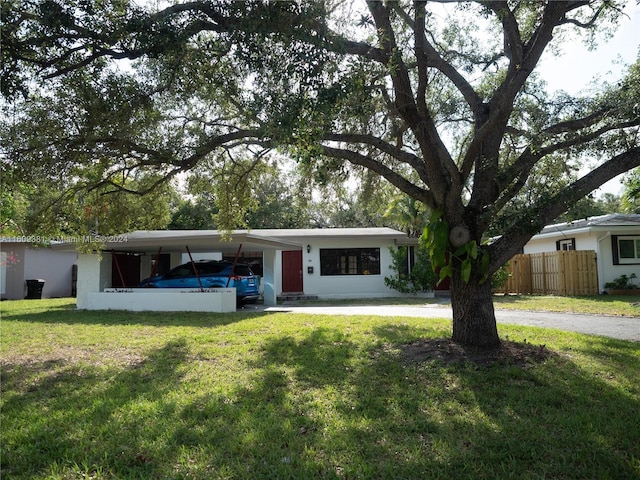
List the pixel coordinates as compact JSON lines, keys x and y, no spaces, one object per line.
{"x":295,"y":297}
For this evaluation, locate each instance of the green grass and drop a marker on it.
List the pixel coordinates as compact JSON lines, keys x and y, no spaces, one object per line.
{"x":617,"y":305}
{"x":119,"y":395}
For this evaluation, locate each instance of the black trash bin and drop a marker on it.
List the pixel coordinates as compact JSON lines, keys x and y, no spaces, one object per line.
{"x":34,"y":288}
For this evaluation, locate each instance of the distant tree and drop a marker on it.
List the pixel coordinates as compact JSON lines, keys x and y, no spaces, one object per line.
{"x":188,"y":214}
{"x":409,"y":214}
{"x":591,"y":206}
{"x":610,"y":203}
{"x":281,"y":200}
{"x":52,"y":208}
{"x":631,"y":196}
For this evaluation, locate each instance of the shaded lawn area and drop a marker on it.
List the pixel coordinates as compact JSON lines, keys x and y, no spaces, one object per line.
{"x":125,"y":395}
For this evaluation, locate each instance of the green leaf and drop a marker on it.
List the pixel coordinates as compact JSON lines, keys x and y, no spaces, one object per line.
{"x":473,"y":249}
{"x":466,"y":270}
{"x":445,"y":272}
{"x":441,"y":234}
{"x":460,"y":250}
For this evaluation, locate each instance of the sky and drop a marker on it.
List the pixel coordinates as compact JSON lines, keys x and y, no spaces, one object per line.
{"x":574,"y":70}
{"x":577,"y":66}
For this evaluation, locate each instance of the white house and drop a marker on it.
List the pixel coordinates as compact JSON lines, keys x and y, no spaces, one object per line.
{"x":322,"y":263}
{"x":614,"y":237}
{"x":21,"y":262}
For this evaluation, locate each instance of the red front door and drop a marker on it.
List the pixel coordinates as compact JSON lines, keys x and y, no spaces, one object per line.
{"x":292,"y":271}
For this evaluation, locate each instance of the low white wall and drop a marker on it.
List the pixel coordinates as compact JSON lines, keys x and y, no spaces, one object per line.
{"x":221,"y":300}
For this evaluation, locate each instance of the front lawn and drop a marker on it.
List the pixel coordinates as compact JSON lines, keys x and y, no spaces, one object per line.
{"x":617,"y":305}
{"x":119,"y":395}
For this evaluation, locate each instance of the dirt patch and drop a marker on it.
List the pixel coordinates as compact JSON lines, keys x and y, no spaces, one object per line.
{"x":72,"y":356}
{"x":448,"y":352}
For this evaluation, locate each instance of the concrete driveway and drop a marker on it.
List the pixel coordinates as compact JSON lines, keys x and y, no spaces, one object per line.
{"x":625,"y":328}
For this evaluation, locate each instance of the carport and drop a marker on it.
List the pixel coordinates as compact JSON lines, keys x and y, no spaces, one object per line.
{"x":95,"y":269}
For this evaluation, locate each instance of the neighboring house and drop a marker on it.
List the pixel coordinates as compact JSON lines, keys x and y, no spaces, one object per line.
{"x":21,"y":261}
{"x":614,"y":237}
{"x":322,"y":263}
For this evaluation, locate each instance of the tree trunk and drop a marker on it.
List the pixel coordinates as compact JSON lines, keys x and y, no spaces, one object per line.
{"x":474,"y":320}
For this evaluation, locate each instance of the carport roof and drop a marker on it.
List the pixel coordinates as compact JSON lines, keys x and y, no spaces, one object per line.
{"x":149,"y":241}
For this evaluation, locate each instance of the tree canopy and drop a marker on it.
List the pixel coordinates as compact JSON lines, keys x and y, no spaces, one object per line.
{"x":440,"y":98}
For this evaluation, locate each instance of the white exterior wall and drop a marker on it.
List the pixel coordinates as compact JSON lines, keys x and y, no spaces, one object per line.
{"x":55,"y":268}
{"x":343,"y":286}
{"x":271,"y":263}
{"x":607,"y":271}
{"x":94,"y":275}
{"x":88,"y":278}
{"x":584,"y":241}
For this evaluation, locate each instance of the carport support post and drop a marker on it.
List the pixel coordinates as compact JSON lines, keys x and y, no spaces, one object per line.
{"x":93,"y":272}
{"x":269,"y":276}
{"x":195,"y":270}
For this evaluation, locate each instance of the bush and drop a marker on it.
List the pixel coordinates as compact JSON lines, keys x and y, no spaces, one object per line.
{"x":623,"y":282}
{"x":500,"y":277}
{"x":421,"y":278}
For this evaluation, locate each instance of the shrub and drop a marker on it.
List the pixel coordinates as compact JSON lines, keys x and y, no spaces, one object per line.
{"x":623,"y":282}
{"x":421,"y":278}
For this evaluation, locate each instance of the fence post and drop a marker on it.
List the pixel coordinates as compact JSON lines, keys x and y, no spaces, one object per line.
{"x":544,"y":273}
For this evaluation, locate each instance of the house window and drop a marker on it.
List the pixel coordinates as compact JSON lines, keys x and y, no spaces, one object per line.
{"x":566,"y":244}
{"x":626,"y":249}
{"x":349,"y":261}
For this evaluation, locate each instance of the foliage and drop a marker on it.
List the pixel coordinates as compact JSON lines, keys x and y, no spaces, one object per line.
{"x":591,"y":207}
{"x":420,"y":277}
{"x":410,"y":215}
{"x":53,"y":208}
{"x":631,"y":195}
{"x":423,"y":275}
{"x":500,"y":277}
{"x":468,"y":255}
{"x":623,"y":282}
{"x":400,"y":281}
{"x":282,"y":200}
{"x":193,"y":215}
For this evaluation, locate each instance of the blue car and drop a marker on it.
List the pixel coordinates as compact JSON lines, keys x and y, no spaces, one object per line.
{"x":213,"y":274}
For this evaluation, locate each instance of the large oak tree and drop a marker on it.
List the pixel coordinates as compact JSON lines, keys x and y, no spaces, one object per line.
{"x":441,"y":101}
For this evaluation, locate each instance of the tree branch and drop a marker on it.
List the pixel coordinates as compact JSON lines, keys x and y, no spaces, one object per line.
{"x":410,"y":159}
{"x":393,"y":177}
{"x":549,"y":208}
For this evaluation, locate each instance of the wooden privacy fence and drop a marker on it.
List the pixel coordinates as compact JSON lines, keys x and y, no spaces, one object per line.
{"x":562,"y":273}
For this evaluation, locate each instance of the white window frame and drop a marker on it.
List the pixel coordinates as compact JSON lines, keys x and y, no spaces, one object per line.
{"x":618,"y":259}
